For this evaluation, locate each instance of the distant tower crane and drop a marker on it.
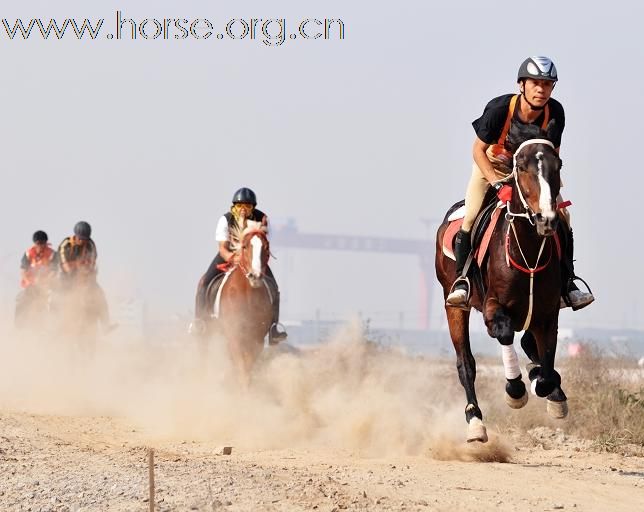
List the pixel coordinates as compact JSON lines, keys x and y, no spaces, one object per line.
{"x":288,"y":236}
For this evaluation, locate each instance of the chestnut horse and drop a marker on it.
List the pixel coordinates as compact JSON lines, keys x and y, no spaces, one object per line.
{"x":519,"y":287}
{"x":243,"y":308}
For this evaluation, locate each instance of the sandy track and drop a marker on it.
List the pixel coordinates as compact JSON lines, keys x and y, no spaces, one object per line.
{"x":97,"y":463}
{"x":348,"y":426}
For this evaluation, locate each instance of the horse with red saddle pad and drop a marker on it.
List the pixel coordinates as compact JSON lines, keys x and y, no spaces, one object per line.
{"x":242,"y":301}
{"x":517,"y":282}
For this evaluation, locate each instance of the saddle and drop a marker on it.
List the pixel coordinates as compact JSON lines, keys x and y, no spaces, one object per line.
{"x":482,"y":230}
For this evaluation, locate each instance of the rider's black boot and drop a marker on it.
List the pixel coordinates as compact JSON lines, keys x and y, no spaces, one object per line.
{"x":198,"y":325}
{"x":571,"y":294}
{"x":276,"y":333}
{"x":460,"y":292}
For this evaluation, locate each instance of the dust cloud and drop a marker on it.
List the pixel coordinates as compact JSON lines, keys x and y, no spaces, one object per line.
{"x":348,"y":393}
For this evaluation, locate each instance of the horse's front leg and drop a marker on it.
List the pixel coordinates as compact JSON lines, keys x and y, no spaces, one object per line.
{"x":545,"y":380}
{"x":499,"y":326}
{"x":458,"y":321}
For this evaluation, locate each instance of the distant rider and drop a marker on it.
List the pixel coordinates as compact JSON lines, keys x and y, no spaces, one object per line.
{"x":77,"y":257}
{"x":243,"y":209}
{"x":38,"y":263}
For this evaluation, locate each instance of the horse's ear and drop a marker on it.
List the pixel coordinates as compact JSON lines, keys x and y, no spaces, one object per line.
{"x":550,"y":129}
{"x":519,"y":133}
{"x":559,"y":162}
{"x":513,"y":140}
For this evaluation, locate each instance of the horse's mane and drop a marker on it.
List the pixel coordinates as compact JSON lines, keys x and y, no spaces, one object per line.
{"x":238,"y":232}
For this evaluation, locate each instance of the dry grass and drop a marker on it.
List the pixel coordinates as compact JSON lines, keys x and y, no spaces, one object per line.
{"x":606,"y":400}
{"x":609,"y":405}
{"x":605,"y":397}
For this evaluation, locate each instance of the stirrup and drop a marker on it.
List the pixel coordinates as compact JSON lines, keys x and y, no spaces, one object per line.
{"x":456,"y":300}
{"x":566,"y":301}
{"x":275,"y":335}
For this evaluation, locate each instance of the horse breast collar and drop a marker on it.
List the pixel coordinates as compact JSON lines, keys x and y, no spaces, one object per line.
{"x":220,"y":283}
{"x":529,"y":215}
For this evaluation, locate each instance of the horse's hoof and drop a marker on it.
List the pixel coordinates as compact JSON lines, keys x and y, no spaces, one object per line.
{"x":557,"y":410}
{"x":516,"y":403}
{"x":476,"y":431}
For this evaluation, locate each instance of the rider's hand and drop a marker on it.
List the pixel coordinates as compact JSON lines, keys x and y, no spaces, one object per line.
{"x":503,"y":191}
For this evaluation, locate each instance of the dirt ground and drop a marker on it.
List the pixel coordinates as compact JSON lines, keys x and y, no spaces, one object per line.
{"x":343,"y":427}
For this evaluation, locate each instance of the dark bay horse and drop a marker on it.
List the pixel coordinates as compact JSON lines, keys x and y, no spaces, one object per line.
{"x":521,"y":287}
{"x":243,"y":308}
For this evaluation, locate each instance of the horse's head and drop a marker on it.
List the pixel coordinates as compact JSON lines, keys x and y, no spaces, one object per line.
{"x":254,"y":252}
{"x":536,"y":173}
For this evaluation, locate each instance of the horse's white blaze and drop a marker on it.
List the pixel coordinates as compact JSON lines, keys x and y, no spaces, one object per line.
{"x":510,"y":362}
{"x":545,"y":197}
{"x":256,"y":263}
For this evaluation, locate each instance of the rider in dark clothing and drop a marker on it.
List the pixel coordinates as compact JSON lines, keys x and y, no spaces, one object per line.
{"x":243,"y":209}
{"x":77,"y":257}
{"x":493,"y":163}
{"x":77,"y":253}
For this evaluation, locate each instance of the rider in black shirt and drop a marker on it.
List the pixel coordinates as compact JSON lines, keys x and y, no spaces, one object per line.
{"x":493,"y":162}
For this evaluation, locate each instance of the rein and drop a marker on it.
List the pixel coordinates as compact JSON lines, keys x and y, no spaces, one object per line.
{"x":529,"y":215}
{"x":527,"y":269}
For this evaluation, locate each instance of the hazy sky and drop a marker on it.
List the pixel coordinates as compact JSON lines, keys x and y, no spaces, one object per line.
{"x":148,"y":139}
